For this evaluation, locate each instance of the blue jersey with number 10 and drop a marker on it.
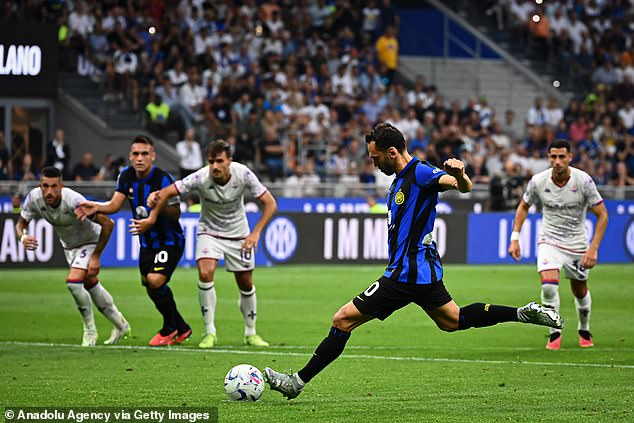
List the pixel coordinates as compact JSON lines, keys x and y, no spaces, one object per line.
{"x":411,"y":204}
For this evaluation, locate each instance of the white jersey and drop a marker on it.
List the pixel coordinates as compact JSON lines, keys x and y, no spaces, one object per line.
{"x":222,"y":211}
{"x":564,"y":208}
{"x":72,"y":232}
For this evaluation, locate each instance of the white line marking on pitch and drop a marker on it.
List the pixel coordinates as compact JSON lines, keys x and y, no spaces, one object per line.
{"x":292,"y":354}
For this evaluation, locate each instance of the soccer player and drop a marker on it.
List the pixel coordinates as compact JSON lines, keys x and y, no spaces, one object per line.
{"x":162,"y":245}
{"x":565,"y":194}
{"x":414,"y":272}
{"x":83,"y":242}
{"x":223,"y":230}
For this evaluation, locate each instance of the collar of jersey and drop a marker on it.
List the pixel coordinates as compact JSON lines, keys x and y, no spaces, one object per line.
{"x":412,"y":162}
{"x":149,"y":175}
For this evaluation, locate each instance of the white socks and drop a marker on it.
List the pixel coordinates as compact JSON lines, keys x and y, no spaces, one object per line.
{"x":207,"y":299}
{"x":248,"y":307}
{"x":84,"y":304}
{"x":583,"y":306}
{"x":550,"y":298}
{"x":105,"y":304}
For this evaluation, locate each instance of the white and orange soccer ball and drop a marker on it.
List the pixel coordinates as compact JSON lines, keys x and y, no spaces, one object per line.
{"x":244,"y":382}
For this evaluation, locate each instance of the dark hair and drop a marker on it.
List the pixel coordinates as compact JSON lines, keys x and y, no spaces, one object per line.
{"x":560,"y":143}
{"x":51,"y":172}
{"x":386,"y":136}
{"x":142,"y":139}
{"x":218,"y":147}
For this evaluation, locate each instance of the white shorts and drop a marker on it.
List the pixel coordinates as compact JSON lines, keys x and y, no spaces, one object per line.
{"x":80,"y":257}
{"x":236,"y":260}
{"x":550,"y":257}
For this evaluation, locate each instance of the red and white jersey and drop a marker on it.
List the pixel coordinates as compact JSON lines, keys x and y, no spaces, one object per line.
{"x":564,"y":207}
{"x":72,"y":232}
{"x":222,"y":211}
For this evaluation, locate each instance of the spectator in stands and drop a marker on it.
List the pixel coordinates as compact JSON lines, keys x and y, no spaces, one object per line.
{"x":554,"y":113}
{"x":536,"y":115}
{"x":310,"y":181}
{"x":272,"y":154}
{"x":371,"y":19}
{"x":387,"y":53}
{"x":109,"y":171}
{"x":58,"y":153}
{"x":26,"y":172}
{"x":16,"y":203}
{"x":189,"y":154}
{"x":85,"y":170}
{"x":158,"y":116}
{"x":477,"y":171}
{"x":605,"y":74}
{"x":626,"y":116}
{"x":389,"y":17}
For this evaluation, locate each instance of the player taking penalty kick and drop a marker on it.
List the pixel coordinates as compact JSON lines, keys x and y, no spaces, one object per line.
{"x":83,"y":242}
{"x":414,"y":273}
{"x":223,"y":230}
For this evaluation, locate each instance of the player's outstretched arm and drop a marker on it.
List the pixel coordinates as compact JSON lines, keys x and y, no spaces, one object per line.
{"x":589,"y":259}
{"x":156,"y":201}
{"x":268,"y":210}
{"x":456,"y":178}
{"x":27,"y":240}
{"x":88,"y":208}
{"x":520,"y":216}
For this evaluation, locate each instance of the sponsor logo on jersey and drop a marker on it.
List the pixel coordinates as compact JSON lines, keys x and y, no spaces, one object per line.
{"x":156,"y":269}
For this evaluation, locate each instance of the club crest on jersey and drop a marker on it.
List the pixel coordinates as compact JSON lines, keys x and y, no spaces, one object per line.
{"x":399,"y":198}
{"x":573,"y":189}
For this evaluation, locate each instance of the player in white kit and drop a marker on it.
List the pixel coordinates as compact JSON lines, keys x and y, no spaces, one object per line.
{"x":565,"y":194}
{"x":223,"y":230}
{"x":83,"y":242}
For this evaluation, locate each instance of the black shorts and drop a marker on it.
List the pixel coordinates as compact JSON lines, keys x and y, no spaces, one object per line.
{"x":385,"y":296}
{"x":162,"y":260}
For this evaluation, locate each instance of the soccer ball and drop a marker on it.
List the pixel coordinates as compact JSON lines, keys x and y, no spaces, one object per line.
{"x":244,"y":382}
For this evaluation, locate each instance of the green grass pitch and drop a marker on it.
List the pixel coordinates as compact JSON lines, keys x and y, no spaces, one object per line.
{"x":400,"y":370}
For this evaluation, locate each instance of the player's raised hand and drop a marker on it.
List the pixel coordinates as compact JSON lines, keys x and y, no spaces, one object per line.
{"x":29,"y":242}
{"x":454,"y":167}
{"x":153,"y":199}
{"x":514,"y":250}
{"x":139,"y":226}
{"x":86,"y":209}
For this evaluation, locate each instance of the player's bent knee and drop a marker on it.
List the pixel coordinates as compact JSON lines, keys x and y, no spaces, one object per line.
{"x":155,"y":281}
{"x":206,"y":275}
{"x":342,"y":321}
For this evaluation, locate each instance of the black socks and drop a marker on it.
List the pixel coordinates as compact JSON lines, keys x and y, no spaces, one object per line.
{"x":330,"y":348}
{"x":478,"y":315}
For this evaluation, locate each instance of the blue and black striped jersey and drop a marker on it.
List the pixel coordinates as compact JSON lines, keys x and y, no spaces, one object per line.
{"x":165,"y":232}
{"x":412,"y":203}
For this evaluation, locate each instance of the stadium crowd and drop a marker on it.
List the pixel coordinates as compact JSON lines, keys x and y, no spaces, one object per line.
{"x":292,"y":86}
